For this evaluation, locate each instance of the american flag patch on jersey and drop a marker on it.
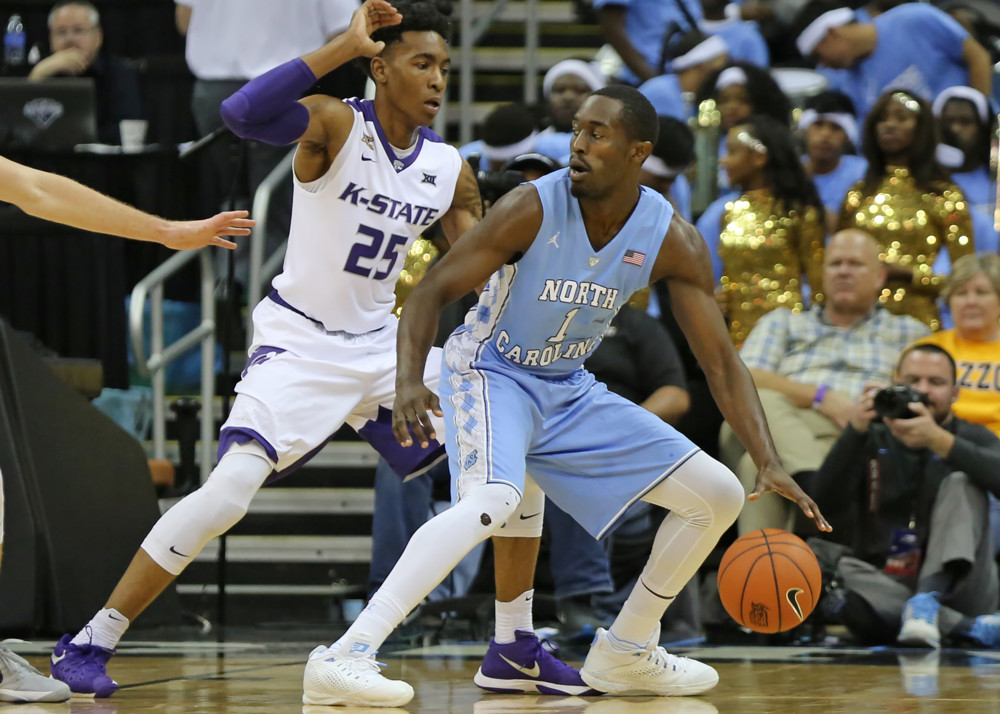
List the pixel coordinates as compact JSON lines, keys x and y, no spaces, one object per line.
{"x":634,"y":257}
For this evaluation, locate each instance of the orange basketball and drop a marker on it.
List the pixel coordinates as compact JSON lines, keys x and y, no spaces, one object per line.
{"x":769,"y":580}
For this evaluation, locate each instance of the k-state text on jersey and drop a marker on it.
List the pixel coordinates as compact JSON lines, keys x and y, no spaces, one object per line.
{"x":380,"y":204}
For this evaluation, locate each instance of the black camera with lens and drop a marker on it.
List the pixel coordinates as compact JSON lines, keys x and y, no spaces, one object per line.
{"x":493,"y":184}
{"x":893,"y":402}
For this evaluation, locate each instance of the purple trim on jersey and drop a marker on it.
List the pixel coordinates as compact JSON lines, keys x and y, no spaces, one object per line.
{"x":260,"y":355}
{"x":406,"y":461}
{"x":302,"y":461}
{"x":273,"y":295}
{"x":241,"y":435}
{"x":367,"y":109}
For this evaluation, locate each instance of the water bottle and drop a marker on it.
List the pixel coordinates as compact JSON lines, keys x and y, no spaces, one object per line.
{"x":14,"y":42}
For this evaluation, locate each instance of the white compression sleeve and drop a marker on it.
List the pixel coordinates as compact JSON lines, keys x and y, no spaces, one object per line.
{"x":213,"y":509}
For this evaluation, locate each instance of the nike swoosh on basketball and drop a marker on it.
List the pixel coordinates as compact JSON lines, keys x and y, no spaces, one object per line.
{"x":524,"y":517}
{"x":177,"y":552}
{"x":792,"y":595}
{"x":530,"y":671}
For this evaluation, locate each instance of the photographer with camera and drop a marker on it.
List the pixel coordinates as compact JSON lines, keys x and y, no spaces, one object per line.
{"x":912,"y":480}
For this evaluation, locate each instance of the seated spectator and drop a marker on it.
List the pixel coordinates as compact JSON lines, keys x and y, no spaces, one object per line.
{"x":507,"y":131}
{"x":663,"y":170}
{"x":768,"y":240}
{"x":638,"y":30}
{"x":565,"y":87}
{"x":967,"y":123}
{"x":810,"y":366}
{"x":741,"y":90}
{"x":743,"y":38}
{"x":831,"y":136}
{"x":908,"y":204}
{"x":75,"y":38}
{"x":694,"y":57}
{"x":915,"y":482}
{"x":915,"y":47}
{"x":973,"y":296}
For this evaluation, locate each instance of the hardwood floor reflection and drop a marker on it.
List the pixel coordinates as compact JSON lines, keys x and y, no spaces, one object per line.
{"x":251,"y":678}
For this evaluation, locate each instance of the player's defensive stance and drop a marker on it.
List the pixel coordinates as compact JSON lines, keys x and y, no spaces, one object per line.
{"x":370,"y":177}
{"x":565,"y":253}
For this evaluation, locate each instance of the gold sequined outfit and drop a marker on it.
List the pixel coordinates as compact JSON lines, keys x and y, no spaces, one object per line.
{"x":910,"y":226}
{"x":419,"y":258}
{"x":765,"y":251}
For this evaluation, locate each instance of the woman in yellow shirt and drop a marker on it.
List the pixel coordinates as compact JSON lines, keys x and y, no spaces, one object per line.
{"x":909,"y":204}
{"x":973,"y":295}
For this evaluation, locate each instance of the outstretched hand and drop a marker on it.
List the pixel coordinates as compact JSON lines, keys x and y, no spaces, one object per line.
{"x":186,"y":235}
{"x":373,"y":15}
{"x":774,"y":478}
{"x":409,"y":412}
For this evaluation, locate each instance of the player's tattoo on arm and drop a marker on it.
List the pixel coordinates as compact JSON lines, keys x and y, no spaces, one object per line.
{"x":467,"y":193}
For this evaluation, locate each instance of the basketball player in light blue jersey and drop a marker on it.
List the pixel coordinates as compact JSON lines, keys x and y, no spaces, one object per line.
{"x":565,"y":252}
{"x":369,"y":177}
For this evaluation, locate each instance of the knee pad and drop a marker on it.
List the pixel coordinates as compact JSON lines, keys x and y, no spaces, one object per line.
{"x":492,"y":504}
{"x":527,"y":519}
{"x":213,"y":509}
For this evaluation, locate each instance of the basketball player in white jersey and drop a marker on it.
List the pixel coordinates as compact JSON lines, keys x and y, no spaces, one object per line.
{"x":57,"y":198}
{"x":369,"y":178}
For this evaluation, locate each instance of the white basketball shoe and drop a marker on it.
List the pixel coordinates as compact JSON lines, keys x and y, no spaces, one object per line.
{"x":644,"y":670}
{"x":350,"y":681}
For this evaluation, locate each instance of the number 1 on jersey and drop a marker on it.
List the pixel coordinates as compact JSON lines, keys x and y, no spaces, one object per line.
{"x":561,"y":335}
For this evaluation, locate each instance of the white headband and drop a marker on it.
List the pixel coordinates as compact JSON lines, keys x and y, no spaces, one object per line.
{"x":977,"y":98}
{"x":730,"y":76}
{"x":845,"y":121}
{"x":711,"y":48}
{"x":817,"y":29}
{"x":951,"y":157}
{"x":508,"y":152}
{"x":586,"y":71}
{"x":658,"y":167}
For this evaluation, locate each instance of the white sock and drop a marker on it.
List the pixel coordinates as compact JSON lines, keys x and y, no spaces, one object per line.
{"x":639,"y":616}
{"x":371,"y":628}
{"x":512,"y":616}
{"x":104,"y":630}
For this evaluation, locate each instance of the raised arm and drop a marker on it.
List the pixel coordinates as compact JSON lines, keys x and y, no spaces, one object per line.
{"x":268,"y":109}
{"x":505,"y":233}
{"x":684,"y":262}
{"x":980,"y":67}
{"x":612,"y":21}
{"x":57,"y":198}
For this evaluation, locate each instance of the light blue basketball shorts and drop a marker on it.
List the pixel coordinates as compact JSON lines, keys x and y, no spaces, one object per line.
{"x":591,"y":451}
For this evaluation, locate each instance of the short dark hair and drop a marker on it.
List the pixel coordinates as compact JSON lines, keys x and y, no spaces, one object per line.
{"x":675,"y":145}
{"x":830,"y":101}
{"x":418,"y":16}
{"x":931,"y":349}
{"x":637,"y":114}
{"x":507,"y":124}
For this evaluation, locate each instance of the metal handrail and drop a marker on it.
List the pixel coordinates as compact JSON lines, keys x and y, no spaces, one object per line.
{"x":259,"y":271}
{"x":472,"y":30}
{"x":161,"y":355}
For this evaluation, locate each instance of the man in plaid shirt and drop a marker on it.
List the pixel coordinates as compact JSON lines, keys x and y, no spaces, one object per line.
{"x":810,"y":367}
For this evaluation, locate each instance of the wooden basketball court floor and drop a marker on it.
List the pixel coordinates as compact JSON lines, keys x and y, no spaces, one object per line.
{"x":254,"y":676}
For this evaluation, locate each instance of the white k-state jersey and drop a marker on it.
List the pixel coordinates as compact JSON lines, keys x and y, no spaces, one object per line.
{"x":351,"y":227}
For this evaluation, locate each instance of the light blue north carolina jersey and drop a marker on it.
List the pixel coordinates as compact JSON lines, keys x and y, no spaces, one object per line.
{"x":547,"y":312}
